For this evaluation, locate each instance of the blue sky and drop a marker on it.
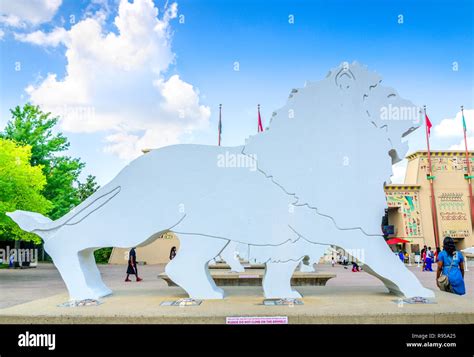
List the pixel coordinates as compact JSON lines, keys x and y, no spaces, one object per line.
{"x":416,"y":57}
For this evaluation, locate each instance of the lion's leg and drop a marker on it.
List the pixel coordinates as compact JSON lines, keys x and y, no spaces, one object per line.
{"x":189,"y":268}
{"x":92,"y":273}
{"x":314,"y":252}
{"x":69,"y":266}
{"x":277,"y":280}
{"x":372,"y":251}
{"x":229,"y":255}
{"x":381,"y":262}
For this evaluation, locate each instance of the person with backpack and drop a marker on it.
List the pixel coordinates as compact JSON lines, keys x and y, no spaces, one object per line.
{"x":450,"y":273}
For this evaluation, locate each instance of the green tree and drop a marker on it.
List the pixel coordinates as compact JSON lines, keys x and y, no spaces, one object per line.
{"x":102,"y":255}
{"x":31,"y":126}
{"x":87,"y":188}
{"x":21,"y":185}
{"x":61,"y":187}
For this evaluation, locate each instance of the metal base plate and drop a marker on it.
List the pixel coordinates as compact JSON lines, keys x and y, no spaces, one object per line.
{"x":182,"y":302}
{"x":80,"y":303}
{"x":282,"y":302}
{"x":415,"y":300}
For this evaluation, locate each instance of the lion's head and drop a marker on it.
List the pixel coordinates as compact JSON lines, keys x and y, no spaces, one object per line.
{"x":334,"y":142}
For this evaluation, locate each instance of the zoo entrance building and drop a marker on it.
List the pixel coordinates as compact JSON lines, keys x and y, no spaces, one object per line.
{"x":410,"y":204}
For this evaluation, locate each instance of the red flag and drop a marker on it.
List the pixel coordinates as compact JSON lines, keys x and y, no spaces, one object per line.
{"x":260,"y":126}
{"x":430,"y":177}
{"x":428,"y":124}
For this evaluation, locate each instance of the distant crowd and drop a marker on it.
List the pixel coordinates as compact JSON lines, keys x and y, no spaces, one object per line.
{"x":450,"y":265}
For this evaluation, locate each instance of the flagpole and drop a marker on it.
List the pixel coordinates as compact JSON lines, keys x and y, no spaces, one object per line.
{"x":258,"y":118}
{"x":259,"y":124}
{"x":430,"y":177}
{"x":468,"y":163}
{"x":219,"y":127}
{"x":468,"y":176}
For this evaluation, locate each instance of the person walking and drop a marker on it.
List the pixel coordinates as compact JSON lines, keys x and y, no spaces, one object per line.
{"x":450,"y":273}
{"x":428,"y":259}
{"x":423,"y":257}
{"x":11,"y":260}
{"x":333,"y":262}
{"x":132,"y":265}
{"x":401,"y":256}
{"x":355,"y":267}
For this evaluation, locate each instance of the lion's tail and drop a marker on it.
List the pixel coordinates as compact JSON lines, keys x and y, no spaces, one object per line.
{"x":32,"y":222}
{"x":46,"y":228}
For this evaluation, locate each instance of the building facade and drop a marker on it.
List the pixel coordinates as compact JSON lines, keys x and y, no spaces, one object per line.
{"x":156,"y":251}
{"x":410,"y":204}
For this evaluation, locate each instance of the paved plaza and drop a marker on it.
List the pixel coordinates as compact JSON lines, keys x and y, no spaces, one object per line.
{"x":33,"y":296}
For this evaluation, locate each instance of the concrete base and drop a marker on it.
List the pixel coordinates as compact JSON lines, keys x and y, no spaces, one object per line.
{"x":254,"y":278}
{"x":322,"y":305}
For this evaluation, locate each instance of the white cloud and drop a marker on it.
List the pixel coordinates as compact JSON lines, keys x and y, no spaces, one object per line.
{"x":21,"y":13}
{"x":115,"y":82}
{"x":2,"y":33}
{"x":447,"y":134}
{"x":41,"y":38}
{"x":100,"y":9}
{"x":452,"y":127}
{"x":461,"y":145}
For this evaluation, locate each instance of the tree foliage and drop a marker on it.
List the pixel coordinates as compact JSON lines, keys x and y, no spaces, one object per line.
{"x":21,"y":186}
{"x":102,"y":255}
{"x":61,"y":188}
{"x":31,"y":126}
{"x":87,"y":188}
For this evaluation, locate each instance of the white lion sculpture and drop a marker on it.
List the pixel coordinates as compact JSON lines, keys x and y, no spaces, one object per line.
{"x":280,"y":263}
{"x":316,"y":174}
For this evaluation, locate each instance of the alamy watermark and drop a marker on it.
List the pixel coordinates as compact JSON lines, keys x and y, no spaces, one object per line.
{"x":75,"y":112}
{"x":28,"y":339}
{"x":356,"y":254}
{"x":232,"y":160}
{"x":18,"y":255}
{"x":400,"y":112}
